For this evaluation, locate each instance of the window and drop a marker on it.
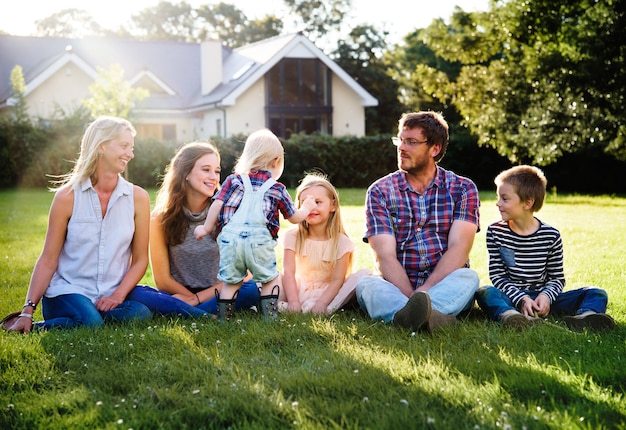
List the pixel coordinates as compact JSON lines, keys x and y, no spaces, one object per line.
{"x":165,"y":132}
{"x":299,"y":97}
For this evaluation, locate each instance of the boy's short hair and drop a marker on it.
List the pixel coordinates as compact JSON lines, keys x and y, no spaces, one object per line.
{"x":529,"y":183}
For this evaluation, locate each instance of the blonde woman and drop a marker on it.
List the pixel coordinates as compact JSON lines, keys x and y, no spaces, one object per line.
{"x":246,"y":211}
{"x":96,"y":246}
{"x":317,"y":258}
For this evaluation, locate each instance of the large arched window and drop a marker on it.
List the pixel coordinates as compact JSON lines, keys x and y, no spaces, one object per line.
{"x":299,"y":97}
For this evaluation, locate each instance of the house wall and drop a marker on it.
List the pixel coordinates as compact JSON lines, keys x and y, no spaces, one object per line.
{"x":66,"y":88}
{"x":348,"y":113}
{"x":248,"y":115}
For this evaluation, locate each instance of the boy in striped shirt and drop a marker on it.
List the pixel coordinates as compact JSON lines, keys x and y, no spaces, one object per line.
{"x":526,"y":262}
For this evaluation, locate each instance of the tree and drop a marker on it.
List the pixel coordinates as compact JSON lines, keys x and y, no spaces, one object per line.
{"x":112,"y":95}
{"x":361,"y":56}
{"x":319,"y":17}
{"x":182,"y":22}
{"x":229,"y":24}
{"x":528,"y":83}
{"x":71,"y":23}
{"x":20,"y":140}
{"x":18,"y":99}
{"x":167,"y":21}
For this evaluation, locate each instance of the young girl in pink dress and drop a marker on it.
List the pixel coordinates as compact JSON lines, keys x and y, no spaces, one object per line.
{"x":317,"y":255}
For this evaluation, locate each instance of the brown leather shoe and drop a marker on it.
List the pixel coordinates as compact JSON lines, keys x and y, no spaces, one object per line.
{"x":415,"y":313}
{"x":7,"y":322}
{"x":438,"y":320}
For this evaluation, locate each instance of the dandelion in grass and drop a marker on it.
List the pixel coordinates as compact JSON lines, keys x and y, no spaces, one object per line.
{"x":195,"y":391}
{"x":430,"y":420}
{"x":120,"y":421}
{"x":356,"y":371}
{"x":294,"y":405}
{"x":99,"y":403}
{"x":404,"y":402}
{"x":366,"y":399}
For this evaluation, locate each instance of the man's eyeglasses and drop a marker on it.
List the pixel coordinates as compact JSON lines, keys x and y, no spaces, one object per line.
{"x":411,"y":142}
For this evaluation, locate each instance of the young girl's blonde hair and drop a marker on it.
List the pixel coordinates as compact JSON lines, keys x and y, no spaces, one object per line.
{"x":334,"y":225}
{"x":261,"y":149}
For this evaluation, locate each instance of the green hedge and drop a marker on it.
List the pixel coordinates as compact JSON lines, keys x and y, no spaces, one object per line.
{"x":30,"y":154}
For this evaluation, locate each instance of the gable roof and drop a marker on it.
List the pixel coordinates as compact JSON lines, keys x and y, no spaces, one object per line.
{"x":173,"y":67}
{"x":262,"y":56}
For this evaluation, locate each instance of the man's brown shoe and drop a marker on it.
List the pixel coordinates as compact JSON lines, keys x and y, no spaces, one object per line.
{"x":415,"y":313}
{"x":438,"y":319}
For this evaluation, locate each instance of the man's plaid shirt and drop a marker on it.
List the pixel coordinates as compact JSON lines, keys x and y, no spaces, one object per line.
{"x":420,"y":222}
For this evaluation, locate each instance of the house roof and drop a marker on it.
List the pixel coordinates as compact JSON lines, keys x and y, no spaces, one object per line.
{"x":174,"y":67}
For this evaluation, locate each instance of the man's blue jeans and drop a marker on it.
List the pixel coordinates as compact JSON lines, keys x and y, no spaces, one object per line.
{"x":454,"y":294}
{"x":73,"y":310}
{"x":574,"y":302}
{"x":163,"y":303}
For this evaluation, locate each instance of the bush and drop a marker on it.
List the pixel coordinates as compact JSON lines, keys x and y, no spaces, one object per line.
{"x":31,"y":153}
{"x":151,"y":157}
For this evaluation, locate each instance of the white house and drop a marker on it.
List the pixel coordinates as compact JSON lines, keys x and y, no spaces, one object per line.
{"x":197,"y":90}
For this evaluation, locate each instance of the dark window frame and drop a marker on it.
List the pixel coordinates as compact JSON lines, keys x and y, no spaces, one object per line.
{"x":300,"y":111}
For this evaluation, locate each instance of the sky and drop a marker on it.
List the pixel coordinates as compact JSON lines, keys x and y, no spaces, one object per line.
{"x":399,"y":17}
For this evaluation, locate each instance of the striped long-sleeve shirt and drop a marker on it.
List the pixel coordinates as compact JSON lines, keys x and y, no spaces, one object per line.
{"x":518,"y":263}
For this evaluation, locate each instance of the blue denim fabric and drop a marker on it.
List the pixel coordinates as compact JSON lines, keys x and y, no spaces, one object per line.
{"x":73,"y":310}
{"x":381,"y":299}
{"x":252,"y":249}
{"x":574,"y":302}
{"x":163,"y":303}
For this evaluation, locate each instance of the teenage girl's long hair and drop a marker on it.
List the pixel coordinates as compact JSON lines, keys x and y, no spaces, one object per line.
{"x":172,"y":195}
{"x":334,"y":225}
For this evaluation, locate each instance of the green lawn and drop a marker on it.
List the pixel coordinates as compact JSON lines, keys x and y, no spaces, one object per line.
{"x":314,"y":372}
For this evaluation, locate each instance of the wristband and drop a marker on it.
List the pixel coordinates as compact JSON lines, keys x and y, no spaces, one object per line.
{"x":24,"y":314}
{"x":196,"y":294}
{"x":31,"y":304}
